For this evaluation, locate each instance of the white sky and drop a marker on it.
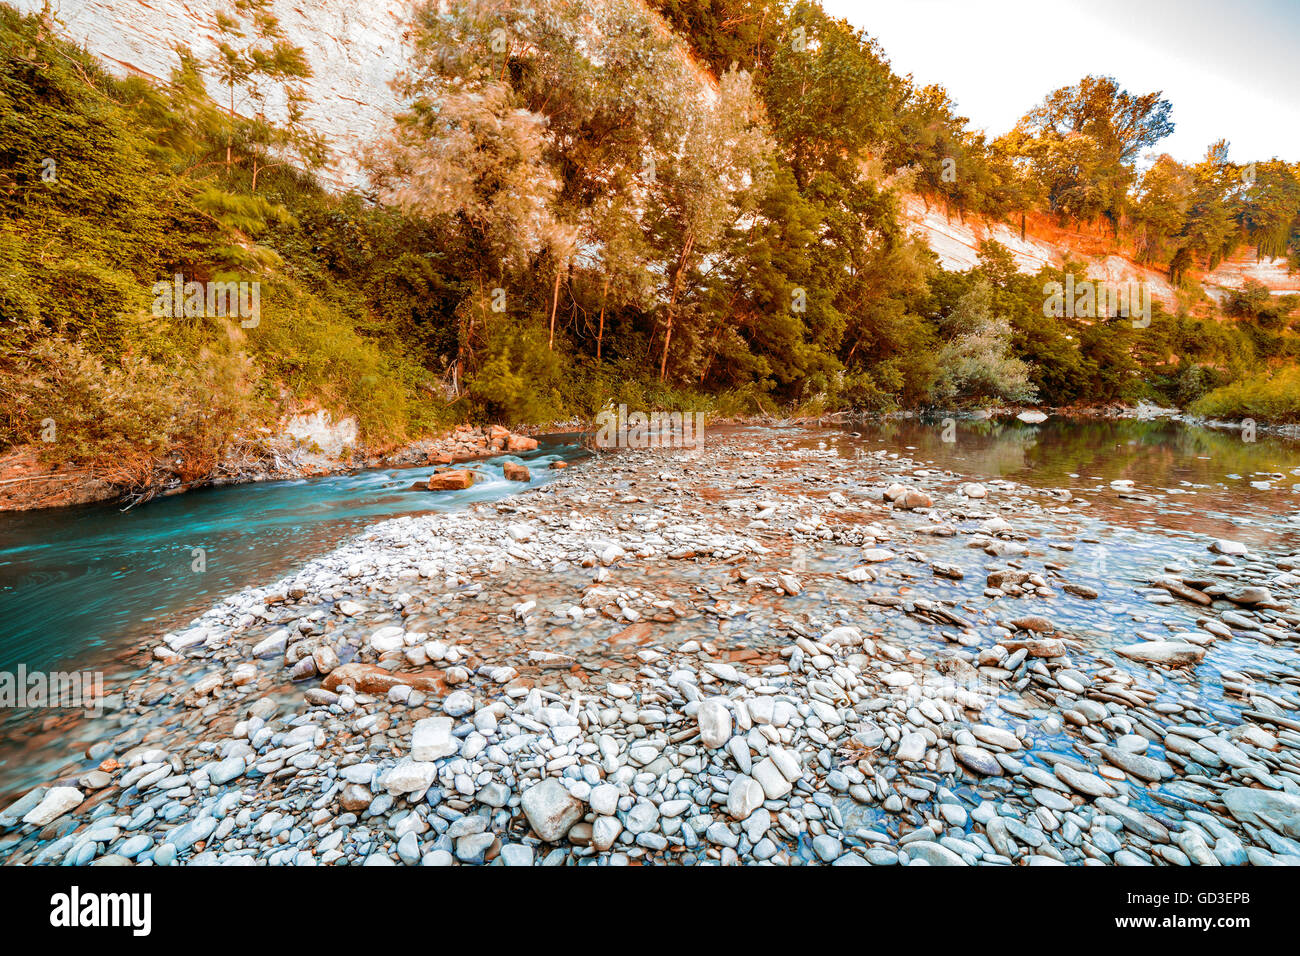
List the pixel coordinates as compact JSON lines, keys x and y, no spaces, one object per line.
{"x":1229,"y":67}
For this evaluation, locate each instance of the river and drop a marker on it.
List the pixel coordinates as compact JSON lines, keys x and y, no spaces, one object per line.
{"x":86,"y":587}
{"x":81,"y":588}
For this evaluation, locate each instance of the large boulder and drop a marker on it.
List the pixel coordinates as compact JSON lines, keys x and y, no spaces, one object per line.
{"x":715,"y":722}
{"x":1250,"y":595}
{"x":913,"y":498}
{"x":978,"y":759}
{"x":1179,"y":589}
{"x":410,"y":776}
{"x":1048,"y":647}
{"x":551,"y":810}
{"x":1040,"y":625}
{"x":744,"y":796}
{"x":57,"y":802}
{"x":1279,"y":812}
{"x":906,"y":497}
{"x":1229,"y":547}
{"x":432,"y":739}
{"x":1002,"y":578}
{"x":456,"y":480}
{"x":370,"y":679}
{"x":1173,"y":653}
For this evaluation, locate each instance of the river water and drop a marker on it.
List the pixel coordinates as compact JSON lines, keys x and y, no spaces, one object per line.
{"x":1206,"y":481}
{"x":86,"y":587}
{"x":76,"y":583}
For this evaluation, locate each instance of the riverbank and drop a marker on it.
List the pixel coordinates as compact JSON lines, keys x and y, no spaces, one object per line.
{"x":760,"y":651}
{"x":1142,"y":411}
{"x":27,"y":483}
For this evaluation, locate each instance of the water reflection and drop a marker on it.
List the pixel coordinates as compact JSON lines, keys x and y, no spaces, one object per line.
{"x":1202,"y":480}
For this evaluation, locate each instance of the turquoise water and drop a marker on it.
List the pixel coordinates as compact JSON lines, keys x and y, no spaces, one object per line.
{"x":77,"y":585}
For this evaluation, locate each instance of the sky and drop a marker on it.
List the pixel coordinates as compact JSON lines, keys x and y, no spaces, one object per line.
{"x":1229,"y":67}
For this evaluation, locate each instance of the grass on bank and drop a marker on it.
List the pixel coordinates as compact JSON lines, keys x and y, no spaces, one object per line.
{"x":1271,"y":397}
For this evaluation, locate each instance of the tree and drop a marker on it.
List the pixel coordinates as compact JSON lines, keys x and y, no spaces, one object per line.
{"x":254,"y":58}
{"x":719,"y":172}
{"x":829,"y":93}
{"x":1160,"y":209}
{"x":476,"y":163}
{"x":931,"y":139}
{"x":1121,"y":122}
{"x":1209,"y":230}
{"x":975,"y":363}
{"x":726,"y":33}
{"x":773,"y":316}
{"x":1067,"y":169}
{"x":1085,"y":140}
{"x":600,"y":150}
{"x":1268,"y":207}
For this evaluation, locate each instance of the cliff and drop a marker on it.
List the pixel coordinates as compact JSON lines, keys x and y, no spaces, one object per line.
{"x":956,"y":240}
{"x":355,"y":48}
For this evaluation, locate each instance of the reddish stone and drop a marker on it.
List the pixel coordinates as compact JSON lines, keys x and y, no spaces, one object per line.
{"x":457,"y":480}
{"x":371,"y":679}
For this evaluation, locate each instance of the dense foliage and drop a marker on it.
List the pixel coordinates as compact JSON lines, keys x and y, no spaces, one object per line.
{"x":584,"y":204}
{"x":110,"y":186}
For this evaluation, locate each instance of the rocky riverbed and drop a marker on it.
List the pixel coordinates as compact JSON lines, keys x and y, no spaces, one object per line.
{"x":756,"y":652}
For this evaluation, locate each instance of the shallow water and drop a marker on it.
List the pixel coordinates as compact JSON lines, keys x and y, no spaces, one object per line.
{"x":84,"y":589}
{"x":1244,"y":489}
{"x":78,"y":585}
{"x":1195,"y":485}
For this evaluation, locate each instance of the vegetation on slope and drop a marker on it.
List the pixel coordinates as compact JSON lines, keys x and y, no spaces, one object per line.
{"x":577,"y":209}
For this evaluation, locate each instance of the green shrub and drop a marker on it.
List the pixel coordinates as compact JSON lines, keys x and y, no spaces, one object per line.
{"x":1268,"y":398}
{"x":137,"y":193}
{"x":135,"y":408}
{"x":519,"y":378}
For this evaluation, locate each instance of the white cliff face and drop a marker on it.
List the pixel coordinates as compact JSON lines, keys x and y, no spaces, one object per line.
{"x":956,"y":241}
{"x":355,"y":48}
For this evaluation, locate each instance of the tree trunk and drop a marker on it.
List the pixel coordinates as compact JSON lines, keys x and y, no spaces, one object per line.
{"x":600,"y":335}
{"x":713,"y":350}
{"x":464,"y":348}
{"x":672,"y":302}
{"x":717,"y":334}
{"x":231,"y":135}
{"x":555,"y":301}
